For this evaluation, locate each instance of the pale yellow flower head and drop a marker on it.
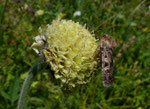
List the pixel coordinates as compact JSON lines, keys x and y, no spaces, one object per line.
{"x":68,"y":48}
{"x":39,"y":12}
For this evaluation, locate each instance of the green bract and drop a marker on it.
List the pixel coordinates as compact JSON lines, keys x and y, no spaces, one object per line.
{"x":68,"y":48}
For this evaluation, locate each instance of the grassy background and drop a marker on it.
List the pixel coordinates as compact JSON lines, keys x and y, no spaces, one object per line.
{"x":128,"y":21}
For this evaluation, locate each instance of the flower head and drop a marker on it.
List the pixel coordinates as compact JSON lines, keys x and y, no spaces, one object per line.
{"x":68,"y":48}
{"x":77,"y":13}
{"x":39,"y":12}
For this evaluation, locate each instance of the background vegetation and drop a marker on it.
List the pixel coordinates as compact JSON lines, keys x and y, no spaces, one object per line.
{"x":128,"y":21}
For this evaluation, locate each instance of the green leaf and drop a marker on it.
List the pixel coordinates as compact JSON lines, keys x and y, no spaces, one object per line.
{"x":14,"y":88}
{"x":5,"y":95}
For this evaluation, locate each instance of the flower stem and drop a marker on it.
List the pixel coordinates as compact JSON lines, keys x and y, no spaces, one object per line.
{"x":37,"y":67}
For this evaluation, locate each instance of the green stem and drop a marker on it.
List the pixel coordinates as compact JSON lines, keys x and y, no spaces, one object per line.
{"x":37,"y":67}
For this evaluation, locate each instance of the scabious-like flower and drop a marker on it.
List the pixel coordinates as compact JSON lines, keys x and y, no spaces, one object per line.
{"x":77,"y":13}
{"x":39,"y":12}
{"x":68,"y":48}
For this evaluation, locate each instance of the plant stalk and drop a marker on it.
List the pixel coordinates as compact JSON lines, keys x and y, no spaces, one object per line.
{"x":37,"y":67}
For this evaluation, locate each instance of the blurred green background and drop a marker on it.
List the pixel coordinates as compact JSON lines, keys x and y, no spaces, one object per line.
{"x":128,"y":21}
